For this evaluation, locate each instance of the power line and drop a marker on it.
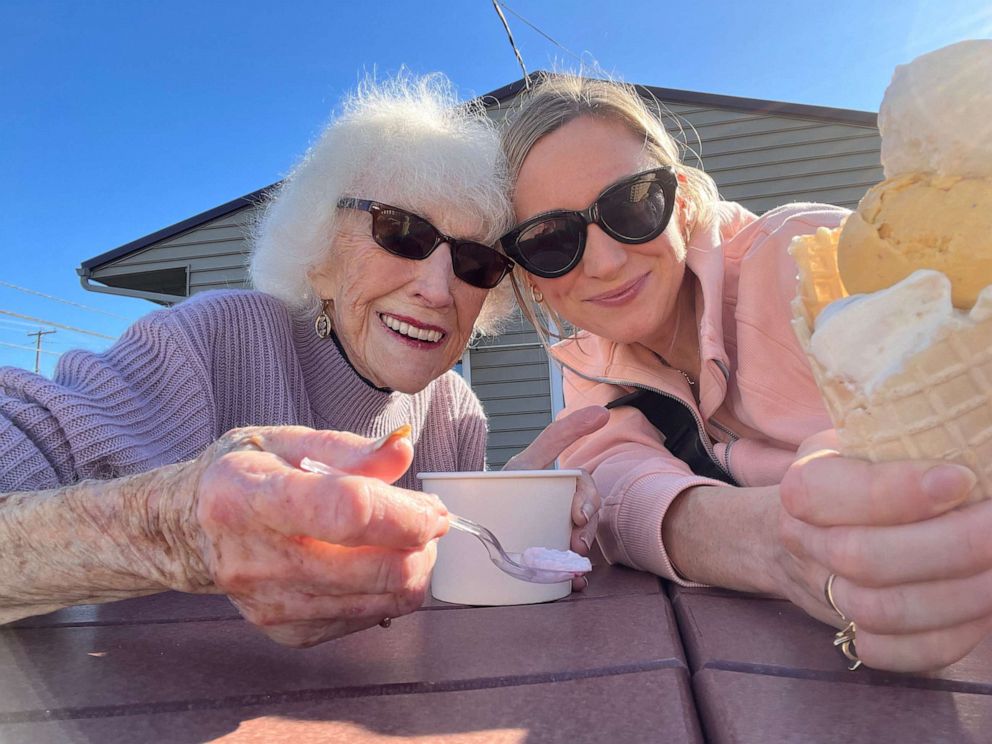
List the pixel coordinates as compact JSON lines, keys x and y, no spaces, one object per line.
{"x":57,"y":325}
{"x":546,"y":36}
{"x":68,"y":342}
{"x":30,"y":348}
{"x":85,"y":344}
{"x":60,"y":299}
{"x":15,"y":325}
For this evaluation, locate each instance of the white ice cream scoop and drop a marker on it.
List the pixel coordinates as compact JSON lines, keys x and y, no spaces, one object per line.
{"x":935,"y":113}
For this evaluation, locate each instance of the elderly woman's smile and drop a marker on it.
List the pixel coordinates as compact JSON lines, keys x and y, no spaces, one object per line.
{"x":412,"y":331}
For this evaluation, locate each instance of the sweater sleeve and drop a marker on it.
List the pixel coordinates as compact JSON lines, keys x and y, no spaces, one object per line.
{"x":637,"y":478}
{"x":143,"y":403}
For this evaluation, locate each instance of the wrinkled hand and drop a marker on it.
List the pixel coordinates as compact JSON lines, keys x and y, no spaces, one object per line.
{"x":913,"y":572}
{"x":309,"y":557}
{"x":544,"y":450}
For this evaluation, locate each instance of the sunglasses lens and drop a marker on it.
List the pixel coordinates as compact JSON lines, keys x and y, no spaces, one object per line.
{"x":551,"y":246}
{"x":403,"y":234}
{"x":478,"y":265}
{"x":634,"y":211}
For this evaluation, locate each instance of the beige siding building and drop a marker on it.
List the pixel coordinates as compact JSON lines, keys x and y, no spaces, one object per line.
{"x":760,"y":153}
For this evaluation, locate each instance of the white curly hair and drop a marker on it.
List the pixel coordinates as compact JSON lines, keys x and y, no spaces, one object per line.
{"x":406,"y":141}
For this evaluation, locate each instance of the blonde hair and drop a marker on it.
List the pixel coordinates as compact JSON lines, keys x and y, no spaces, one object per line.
{"x":558,"y":99}
{"x":407,"y":141}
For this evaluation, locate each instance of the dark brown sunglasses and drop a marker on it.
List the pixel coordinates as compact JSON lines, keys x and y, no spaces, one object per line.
{"x":410,"y":236}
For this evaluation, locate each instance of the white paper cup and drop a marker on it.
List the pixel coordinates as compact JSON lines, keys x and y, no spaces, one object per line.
{"x":523,"y":508}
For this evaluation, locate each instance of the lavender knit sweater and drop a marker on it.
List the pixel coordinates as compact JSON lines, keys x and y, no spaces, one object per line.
{"x":179,"y":378}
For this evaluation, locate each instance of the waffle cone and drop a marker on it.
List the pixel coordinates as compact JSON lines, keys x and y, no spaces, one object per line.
{"x":819,"y":278}
{"x":937,"y":406}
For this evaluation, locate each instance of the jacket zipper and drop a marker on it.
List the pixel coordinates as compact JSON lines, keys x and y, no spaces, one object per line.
{"x":704,"y":437}
{"x":726,"y":457}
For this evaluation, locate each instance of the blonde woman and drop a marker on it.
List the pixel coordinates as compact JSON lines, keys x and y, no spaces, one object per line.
{"x":715,"y":467}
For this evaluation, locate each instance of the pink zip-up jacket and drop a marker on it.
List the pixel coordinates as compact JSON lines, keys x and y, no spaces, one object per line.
{"x":757,"y":398}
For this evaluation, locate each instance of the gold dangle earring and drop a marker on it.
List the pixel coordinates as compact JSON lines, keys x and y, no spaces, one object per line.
{"x":322,"y":323}
{"x":536,"y":294}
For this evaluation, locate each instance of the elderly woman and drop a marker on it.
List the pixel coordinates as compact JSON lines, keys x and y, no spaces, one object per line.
{"x":711,"y":468}
{"x":375,"y":266}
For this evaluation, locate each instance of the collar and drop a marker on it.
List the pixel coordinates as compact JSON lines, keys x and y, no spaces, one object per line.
{"x":344,"y":356}
{"x":332,"y":384}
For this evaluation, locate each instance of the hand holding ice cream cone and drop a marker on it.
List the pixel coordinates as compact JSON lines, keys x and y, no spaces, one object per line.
{"x":894,"y":311}
{"x":897,"y":541}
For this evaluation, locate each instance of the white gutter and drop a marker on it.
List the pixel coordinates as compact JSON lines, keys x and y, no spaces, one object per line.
{"x":158,"y":297}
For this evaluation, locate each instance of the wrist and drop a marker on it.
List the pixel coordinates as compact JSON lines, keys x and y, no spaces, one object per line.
{"x":769,"y":571}
{"x":725,"y":536}
{"x":137,"y":532}
{"x":163,"y":528}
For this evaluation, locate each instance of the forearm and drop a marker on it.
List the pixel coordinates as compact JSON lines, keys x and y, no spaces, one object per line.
{"x":98,"y":541}
{"x":725,"y":536}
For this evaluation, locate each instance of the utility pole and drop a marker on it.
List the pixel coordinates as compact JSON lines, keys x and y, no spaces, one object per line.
{"x":37,"y":348}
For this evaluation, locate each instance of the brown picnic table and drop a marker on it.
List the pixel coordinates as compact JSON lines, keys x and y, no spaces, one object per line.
{"x":629,"y":660}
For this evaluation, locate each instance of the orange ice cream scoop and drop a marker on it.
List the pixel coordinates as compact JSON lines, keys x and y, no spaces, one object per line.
{"x":920,"y":221}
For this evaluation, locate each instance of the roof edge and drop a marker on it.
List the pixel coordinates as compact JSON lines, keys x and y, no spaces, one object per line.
{"x":763,"y":106}
{"x":171,"y":231}
{"x":740,"y":103}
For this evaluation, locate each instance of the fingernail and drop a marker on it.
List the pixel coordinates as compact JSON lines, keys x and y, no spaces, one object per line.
{"x":948,"y":484}
{"x":587,"y":541}
{"x":400,"y":433}
{"x":587,"y":511}
{"x":597,"y":413}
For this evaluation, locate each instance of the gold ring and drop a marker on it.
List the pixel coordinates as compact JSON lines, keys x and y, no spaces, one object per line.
{"x":239,"y":441}
{"x":843,"y":639}
{"x":828,"y":592}
{"x":385,"y":622}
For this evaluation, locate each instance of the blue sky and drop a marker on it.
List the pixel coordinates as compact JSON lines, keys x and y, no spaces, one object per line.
{"x":120,"y":118}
